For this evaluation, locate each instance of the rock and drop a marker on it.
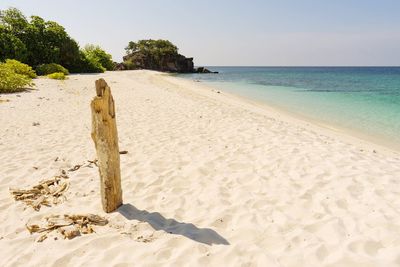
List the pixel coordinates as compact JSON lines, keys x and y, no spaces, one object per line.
{"x":200,"y":69}
{"x":204,"y":70}
{"x":171,"y":63}
{"x":159,"y":55}
{"x":35,"y":124}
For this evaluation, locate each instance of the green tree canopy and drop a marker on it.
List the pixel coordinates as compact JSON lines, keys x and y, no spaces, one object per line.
{"x":13,"y":20}
{"x":156,"y":47}
{"x":11,"y":46}
{"x":95,"y":53}
{"x":37,"y":41}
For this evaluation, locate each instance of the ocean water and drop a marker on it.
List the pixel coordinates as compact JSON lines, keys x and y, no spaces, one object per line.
{"x":365,"y":100}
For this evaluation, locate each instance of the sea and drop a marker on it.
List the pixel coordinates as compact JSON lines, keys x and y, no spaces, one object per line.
{"x":362,"y":100}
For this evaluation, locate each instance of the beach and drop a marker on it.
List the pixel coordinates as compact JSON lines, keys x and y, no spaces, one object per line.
{"x":210,"y":179}
{"x":362,"y":101}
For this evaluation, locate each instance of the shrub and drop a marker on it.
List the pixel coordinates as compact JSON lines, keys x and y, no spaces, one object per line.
{"x":57,"y":76}
{"x":46,"y":69}
{"x":20,"y":68}
{"x":12,"y":82}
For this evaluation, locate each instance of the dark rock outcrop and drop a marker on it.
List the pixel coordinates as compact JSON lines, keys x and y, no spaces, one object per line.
{"x":160,"y":55}
{"x":170,"y":63}
{"x":204,"y":70}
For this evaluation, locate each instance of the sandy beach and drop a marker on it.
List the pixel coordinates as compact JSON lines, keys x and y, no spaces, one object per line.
{"x":209,"y":180}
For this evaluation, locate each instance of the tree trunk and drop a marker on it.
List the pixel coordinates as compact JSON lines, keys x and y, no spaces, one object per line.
{"x":105,"y":137}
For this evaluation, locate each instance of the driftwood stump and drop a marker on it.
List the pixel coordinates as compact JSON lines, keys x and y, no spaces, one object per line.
{"x":105,"y":137}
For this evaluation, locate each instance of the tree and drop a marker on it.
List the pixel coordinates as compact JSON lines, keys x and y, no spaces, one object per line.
{"x":131,"y":48}
{"x":95,"y":53}
{"x":14,"y":21}
{"x":37,"y":41}
{"x":70,"y":55}
{"x":11,"y":46}
{"x":87,"y":65}
{"x":42,"y":40}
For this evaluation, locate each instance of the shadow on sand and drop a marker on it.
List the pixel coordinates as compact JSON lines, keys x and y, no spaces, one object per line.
{"x":158,"y":222}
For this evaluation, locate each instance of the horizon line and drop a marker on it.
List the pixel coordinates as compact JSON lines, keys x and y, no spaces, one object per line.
{"x":305,"y":66}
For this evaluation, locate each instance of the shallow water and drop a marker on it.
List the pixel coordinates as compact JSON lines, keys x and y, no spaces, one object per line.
{"x":361,"y":99}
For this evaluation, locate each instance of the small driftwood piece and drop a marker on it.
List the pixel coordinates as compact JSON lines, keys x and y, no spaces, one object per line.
{"x":88,"y":165}
{"x":69,"y":226}
{"x":46,"y":193}
{"x":105,"y":137}
{"x":92,"y":162}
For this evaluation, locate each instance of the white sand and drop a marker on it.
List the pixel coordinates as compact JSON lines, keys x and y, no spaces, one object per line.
{"x":210,"y":180}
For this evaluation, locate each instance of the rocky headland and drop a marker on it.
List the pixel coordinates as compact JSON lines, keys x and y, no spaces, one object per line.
{"x":159,"y":55}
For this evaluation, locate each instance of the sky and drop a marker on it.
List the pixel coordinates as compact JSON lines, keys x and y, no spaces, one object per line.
{"x":237,"y":32}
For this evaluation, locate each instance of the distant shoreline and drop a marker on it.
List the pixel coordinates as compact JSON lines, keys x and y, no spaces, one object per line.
{"x":275,"y":97}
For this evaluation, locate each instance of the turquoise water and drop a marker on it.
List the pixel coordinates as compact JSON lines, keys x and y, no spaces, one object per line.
{"x":361,"y":99}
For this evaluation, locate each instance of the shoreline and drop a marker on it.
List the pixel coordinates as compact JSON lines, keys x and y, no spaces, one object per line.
{"x":368,"y":142}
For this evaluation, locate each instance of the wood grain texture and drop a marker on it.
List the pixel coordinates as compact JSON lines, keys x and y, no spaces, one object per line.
{"x":105,"y":137}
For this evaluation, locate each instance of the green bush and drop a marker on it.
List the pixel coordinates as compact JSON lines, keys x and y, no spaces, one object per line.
{"x":57,"y":76}
{"x":12,"y":82}
{"x":20,"y":68}
{"x":46,"y":69}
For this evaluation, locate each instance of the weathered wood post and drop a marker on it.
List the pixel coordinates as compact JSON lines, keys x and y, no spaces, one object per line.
{"x":105,"y":137}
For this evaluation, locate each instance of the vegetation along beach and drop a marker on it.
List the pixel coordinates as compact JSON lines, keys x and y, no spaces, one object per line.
{"x":243,"y":139}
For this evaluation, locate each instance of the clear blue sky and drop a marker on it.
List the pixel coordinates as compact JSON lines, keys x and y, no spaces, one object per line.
{"x":246,"y":32}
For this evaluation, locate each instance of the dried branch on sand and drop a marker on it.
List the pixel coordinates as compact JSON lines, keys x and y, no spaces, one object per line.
{"x":89,"y":164}
{"x":69,"y":226}
{"x":46,"y":193}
